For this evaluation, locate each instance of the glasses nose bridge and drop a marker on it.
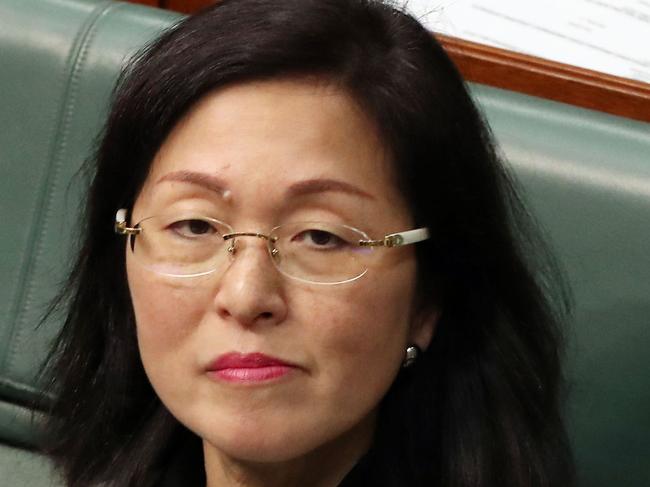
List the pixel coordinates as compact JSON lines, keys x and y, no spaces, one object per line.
{"x":233,"y":235}
{"x":231,"y":238}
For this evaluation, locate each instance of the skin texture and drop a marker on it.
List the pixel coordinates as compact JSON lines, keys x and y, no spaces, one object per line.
{"x":255,"y":141}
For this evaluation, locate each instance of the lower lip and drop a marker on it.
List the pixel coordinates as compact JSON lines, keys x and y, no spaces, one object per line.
{"x":249,"y":375}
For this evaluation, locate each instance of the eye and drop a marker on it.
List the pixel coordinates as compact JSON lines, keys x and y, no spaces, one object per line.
{"x":320,"y":239}
{"x":192,"y":228}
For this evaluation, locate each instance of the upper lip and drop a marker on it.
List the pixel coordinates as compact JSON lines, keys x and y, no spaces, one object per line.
{"x":236,"y":360}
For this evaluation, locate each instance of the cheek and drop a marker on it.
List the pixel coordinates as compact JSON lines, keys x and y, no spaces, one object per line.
{"x":359,"y":337}
{"x":165,"y":313}
{"x":371,"y":315}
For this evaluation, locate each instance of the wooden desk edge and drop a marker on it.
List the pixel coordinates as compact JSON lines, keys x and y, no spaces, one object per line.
{"x":549,"y":79}
{"x":530,"y":75}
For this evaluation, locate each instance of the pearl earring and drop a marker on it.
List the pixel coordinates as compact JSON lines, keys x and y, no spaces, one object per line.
{"x":412,"y":354}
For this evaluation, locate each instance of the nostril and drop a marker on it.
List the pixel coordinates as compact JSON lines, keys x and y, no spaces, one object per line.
{"x":224,"y":313}
{"x":266,"y":315}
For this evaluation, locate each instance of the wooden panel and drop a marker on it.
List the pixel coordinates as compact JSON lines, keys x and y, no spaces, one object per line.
{"x":548,"y":79}
{"x":151,"y":3}
{"x":522,"y":73}
{"x":185,"y":6}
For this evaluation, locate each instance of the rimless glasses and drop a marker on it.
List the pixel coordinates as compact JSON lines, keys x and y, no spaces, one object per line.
{"x":187,"y":244}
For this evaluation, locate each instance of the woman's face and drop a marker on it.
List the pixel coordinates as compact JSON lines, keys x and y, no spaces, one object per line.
{"x":255,"y":156}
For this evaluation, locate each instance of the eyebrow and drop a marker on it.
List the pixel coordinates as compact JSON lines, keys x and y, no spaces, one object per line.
{"x":208,"y":181}
{"x":300,"y":188}
{"x":322,"y":185}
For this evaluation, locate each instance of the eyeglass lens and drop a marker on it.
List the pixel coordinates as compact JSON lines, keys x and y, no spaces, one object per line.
{"x":185,"y":246}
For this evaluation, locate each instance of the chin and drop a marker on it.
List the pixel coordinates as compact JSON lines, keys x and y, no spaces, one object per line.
{"x":261,"y":446}
{"x":268,"y":441}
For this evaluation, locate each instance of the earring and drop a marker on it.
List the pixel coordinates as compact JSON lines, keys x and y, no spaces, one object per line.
{"x":412,"y":354}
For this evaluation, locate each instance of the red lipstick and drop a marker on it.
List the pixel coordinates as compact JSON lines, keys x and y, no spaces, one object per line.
{"x":248,"y":368}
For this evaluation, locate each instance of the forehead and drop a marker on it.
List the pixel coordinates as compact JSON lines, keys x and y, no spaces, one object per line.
{"x":268,"y":135}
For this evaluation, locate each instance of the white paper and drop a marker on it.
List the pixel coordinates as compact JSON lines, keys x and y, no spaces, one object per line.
{"x":612,"y":36}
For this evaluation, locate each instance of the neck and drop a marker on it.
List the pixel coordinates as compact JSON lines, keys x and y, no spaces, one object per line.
{"x":325,"y":466}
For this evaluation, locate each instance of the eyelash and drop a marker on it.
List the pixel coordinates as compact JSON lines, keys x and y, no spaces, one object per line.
{"x":188,"y":222}
{"x":339,"y":242}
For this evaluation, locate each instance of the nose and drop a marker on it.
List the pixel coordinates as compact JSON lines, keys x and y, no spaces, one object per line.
{"x":250,"y":291}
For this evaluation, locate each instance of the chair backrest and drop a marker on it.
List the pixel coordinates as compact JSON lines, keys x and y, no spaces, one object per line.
{"x":587,"y":176}
{"x":58,"y":62}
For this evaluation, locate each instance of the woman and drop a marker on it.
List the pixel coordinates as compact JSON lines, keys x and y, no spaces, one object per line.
{"x":322,"y":274}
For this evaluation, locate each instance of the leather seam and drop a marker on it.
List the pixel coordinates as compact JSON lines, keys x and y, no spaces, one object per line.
{"x":24,"y":389}
{"x":27,"y":263}
{"x":66,"y":111}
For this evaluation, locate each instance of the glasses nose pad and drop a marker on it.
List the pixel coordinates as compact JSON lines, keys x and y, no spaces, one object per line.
{"x":275,"y":252}
{"x":231,"y":247}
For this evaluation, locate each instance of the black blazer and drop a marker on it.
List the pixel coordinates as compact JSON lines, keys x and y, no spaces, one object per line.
{"x":184,"y":471}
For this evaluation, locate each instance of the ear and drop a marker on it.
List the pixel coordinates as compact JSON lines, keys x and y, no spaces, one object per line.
{"x":424,"y":326}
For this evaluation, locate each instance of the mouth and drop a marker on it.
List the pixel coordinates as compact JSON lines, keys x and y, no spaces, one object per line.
{"x":249,"y":368}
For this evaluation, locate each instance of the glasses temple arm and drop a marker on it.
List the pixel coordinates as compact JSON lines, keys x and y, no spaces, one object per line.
{"x":398,"y":239}
{"x":120,"y":224}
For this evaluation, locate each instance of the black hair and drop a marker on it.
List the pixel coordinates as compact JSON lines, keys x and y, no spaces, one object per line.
{"x":482,"y":407}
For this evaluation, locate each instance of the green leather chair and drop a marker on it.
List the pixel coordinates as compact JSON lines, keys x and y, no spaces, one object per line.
{"x":587,"y":176}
